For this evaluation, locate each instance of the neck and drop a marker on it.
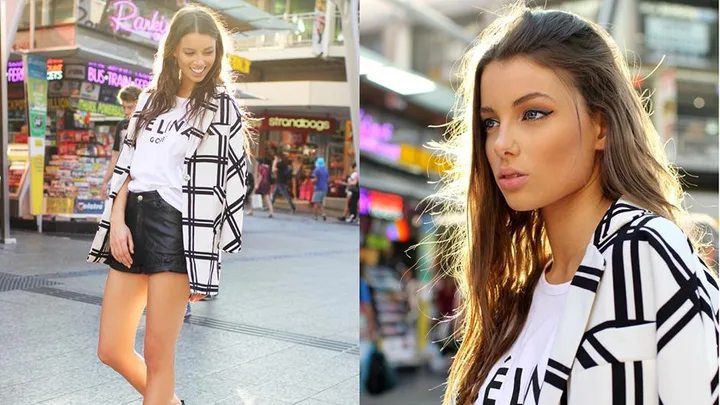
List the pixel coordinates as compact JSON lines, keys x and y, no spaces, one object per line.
{"x":186,"y":88}
{"x":570,"y":224}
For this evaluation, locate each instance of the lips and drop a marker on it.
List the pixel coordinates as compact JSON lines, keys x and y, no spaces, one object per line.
{"x":510,"y":179}
{"x":198,"y":71}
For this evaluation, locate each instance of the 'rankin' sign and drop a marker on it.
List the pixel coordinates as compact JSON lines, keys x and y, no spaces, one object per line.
{"x":126,"y":17}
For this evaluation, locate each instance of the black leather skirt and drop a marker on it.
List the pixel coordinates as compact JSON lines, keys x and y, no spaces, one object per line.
{"x":156,"y":229}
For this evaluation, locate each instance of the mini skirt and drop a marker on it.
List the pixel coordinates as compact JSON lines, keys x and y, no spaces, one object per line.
{"x":156,"y":229}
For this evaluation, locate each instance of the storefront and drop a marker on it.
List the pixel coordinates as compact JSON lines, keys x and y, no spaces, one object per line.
{"x":81,"y":114}
{"x":304,"y":139}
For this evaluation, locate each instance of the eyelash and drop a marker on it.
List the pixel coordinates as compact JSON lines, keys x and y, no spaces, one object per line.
{"x":193,"y":53}
{"x":544,"y":113}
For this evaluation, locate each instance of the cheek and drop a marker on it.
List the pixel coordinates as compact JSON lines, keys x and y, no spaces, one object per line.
{"x":561,"y":149}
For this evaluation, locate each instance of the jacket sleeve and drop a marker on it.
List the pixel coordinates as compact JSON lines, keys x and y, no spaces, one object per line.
{"x":236,"y":185}
{"x":686,"y":303}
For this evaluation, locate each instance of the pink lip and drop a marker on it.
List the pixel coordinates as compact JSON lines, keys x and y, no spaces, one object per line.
{"x":510,"y":179}
{"x":198,"y":74}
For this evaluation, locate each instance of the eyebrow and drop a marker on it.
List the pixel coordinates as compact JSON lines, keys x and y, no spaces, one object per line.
{"x":193,"y":49}
{"x":520,"y":100}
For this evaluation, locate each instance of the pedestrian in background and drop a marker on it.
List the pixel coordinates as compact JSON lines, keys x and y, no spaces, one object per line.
{"x":283,"y":175}
{"x":128,"y":98}
{"x":263,"y":180}
{"x":579,"y":285}
{"x":156,"y":233}
{"x":320,"y":178}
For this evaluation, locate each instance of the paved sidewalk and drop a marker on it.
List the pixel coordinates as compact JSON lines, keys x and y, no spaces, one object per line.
{"x":282,"y":331}
{"x":421,"y":387}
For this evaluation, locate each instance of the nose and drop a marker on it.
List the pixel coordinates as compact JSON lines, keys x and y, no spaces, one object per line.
{"x":504,"y":143}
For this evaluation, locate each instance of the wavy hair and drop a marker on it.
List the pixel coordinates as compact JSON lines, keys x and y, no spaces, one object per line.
{"x":166,"y":73}
{"x":499,"y":254}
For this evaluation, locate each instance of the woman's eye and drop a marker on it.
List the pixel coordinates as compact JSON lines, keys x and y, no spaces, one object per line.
{"x":533,"y":115}
{"x":490,"y":123}
{"x":189,"y":53}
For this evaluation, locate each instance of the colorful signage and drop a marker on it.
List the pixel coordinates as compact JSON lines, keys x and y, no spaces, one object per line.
{"x":115,"y":76}
{"x":127,"y":18}
{"x":59,"y":205}
{"x":380,"y":205}
{"x":108,"y":110}
{"x":239,"y":64}
{"x":16,"y":71}
{"x":36,"y":90}
{"x":298,"y":124}
{"x":375,"y":137}
{"x":92,"y":207}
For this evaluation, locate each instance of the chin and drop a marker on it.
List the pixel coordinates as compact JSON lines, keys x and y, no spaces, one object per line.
{"x":522,"y":202}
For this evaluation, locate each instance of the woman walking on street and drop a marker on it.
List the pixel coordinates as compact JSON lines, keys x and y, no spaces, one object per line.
{"x":579,"y":285}
{"x":176,"y":202}
{"x":263,"y":183}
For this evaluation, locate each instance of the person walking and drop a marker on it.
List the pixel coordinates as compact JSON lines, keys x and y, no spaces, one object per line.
{"x":320,"y":180}
{"x":162,"y":234}
{"x":283,"y":176}
{"x":264,"y":181}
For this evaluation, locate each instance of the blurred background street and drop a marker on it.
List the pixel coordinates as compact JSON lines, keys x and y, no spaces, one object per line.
{"x":409,"y":60}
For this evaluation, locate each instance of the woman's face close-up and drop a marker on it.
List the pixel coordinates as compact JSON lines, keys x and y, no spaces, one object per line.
{"x":195,"y":54}
{"x":538,"y":153}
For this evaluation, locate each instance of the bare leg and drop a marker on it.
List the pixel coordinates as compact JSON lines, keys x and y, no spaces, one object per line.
{"x":123,"y":303}
{"x":167,"y":298}
{"x":266,"y":197}
{"x":124,"y":300}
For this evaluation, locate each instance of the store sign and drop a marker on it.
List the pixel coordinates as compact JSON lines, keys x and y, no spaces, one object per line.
{"x":16,"y":105}
{"x":108,"y":110}
{"x":239,"y":64}
{"x":16,"y":71}
{"x":75,"y":72}
{"x":127,"y":17}
{"x":381,"y":205}
{"x":59,"y":103}
{"x":93,"y":207}
{"x":59,"y":205}
{"x":115,"y":76}
{"x":299,"y":124}
{"x":375,"y":137}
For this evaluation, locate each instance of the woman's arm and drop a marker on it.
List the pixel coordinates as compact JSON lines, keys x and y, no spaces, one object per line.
{"x":686,"y":315}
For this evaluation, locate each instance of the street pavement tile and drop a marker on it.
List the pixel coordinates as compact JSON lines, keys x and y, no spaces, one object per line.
{"x":311,"y":401}
{"x":251,"y":400}
{"x":274,"y":389}
{"x":116,"y":391}
{"x":343,"y":393}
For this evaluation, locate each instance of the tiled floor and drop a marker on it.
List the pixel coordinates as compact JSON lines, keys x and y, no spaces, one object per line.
{"x":282,"y":331}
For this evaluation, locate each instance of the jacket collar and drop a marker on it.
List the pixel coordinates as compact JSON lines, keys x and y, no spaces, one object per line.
{"x":580,"y":299}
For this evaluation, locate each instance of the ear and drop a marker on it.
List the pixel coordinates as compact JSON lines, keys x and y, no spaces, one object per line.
{"x":599,"y":130}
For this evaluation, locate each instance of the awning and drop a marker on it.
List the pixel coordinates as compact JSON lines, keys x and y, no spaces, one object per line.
{"x":383,"y":177}
{"x":265,"y":23}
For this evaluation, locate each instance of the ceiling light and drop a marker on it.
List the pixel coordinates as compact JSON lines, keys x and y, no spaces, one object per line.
{"x":400,"y":81}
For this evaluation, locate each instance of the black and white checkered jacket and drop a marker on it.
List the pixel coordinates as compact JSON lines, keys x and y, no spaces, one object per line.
{"x":640,"y":324}
{"x":213,"y":195}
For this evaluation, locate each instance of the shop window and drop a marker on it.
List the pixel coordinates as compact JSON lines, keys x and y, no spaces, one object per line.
{"x":49,"y":13}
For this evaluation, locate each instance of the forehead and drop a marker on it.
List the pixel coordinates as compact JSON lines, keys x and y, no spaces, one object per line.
{"x":196,"y":41}
{"x":506,"y":80}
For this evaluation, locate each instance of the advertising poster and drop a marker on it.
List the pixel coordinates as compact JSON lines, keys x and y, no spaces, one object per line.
{"x":36,"y":89}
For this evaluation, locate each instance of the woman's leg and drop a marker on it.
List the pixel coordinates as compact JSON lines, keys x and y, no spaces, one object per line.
{"x":167,"y":297}
{"x":123,"y":304}
{"x":269,"y":203}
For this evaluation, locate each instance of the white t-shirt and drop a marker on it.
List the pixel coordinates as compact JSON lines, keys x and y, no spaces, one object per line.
{"x":518,"y":376}
{"x":159,"y":157}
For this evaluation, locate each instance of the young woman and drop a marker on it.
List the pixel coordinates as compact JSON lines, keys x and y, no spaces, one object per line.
{"x":578,"y":285}
{"x":176,"y":203}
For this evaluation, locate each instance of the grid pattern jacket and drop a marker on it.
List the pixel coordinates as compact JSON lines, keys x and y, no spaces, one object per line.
{"x":215,"y":173}
{"x":640,"y":324}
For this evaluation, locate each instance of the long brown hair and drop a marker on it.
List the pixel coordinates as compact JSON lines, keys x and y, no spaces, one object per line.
{"x":166,"y":73}
{"x":500,"y":253}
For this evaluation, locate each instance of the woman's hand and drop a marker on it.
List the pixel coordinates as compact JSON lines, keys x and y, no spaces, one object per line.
{"x":121,"y":243}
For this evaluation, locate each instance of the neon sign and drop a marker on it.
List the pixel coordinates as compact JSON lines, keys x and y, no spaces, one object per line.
{"x":375,"y":137}
{"x":126,"y":18}
{"x":115,"y":76}
{"x":16,"y":73}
